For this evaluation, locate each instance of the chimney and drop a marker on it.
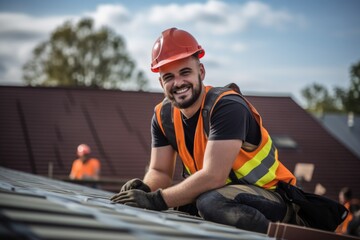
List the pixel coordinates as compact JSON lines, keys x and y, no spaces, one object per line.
{"x":350,"y":120}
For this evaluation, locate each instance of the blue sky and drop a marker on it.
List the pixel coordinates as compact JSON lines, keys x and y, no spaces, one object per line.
{"x":266,"y":47}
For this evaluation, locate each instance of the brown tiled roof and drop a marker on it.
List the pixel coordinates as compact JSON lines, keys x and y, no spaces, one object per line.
{"x":42,"y":125}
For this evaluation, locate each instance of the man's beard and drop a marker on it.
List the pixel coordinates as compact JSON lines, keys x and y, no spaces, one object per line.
{"x":196,"y":92}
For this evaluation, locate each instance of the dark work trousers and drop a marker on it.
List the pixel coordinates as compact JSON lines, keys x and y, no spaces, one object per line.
{"x":243,"y":206}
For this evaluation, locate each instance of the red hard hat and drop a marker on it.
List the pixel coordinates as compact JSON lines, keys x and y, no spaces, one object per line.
{"x":172,"y":45}
{"x":83,"y":149}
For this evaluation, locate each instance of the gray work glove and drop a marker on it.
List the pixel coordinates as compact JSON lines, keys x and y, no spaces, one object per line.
{"x":135,"y":184}
{"x":141,"y":199}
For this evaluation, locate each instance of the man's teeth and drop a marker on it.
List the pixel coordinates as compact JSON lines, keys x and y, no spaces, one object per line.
{"x":181,"y":90}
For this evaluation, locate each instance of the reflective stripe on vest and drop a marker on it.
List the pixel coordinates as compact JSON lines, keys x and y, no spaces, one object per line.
{"x":260,"y":167}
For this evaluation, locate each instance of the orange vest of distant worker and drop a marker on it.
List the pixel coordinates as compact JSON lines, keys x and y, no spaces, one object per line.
{"x":89,"y":169}
{"x":260,"y":167}
{"x":342,"y":228}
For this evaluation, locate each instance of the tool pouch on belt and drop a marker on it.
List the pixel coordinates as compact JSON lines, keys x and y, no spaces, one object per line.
{"x":312,"y":210}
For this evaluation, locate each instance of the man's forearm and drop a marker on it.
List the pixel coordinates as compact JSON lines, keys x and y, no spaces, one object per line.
{"x":156,"y":179}
{"x":188,"y":190}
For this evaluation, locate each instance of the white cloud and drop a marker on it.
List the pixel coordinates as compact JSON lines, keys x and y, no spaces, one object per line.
{"x":238,"y":47}
{"x":209,"y":21}
{"x":18,"y":37}
{"x":210,"y":12}
{"x":218,"y":17}
{"x":263,"y":14}
{"x":23,"y":22}
{"x":111,"y":15}
{"x":213,"y":17}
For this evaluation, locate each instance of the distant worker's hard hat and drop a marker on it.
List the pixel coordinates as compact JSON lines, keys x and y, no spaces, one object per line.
{"x":172,"y":45}
{"x":83,"y":149}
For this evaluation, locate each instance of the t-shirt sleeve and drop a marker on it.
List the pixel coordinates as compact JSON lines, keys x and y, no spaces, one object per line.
{"x":158,"y":139}
{"x":232,"y":119}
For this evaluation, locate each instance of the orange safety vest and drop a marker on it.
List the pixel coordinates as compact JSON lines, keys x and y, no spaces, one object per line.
{"x":89,"y":169}
{"x":260,"y":167}
{"x":342,"y":228}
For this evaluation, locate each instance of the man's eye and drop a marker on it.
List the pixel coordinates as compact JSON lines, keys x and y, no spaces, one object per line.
{"x":185,"y":73}
{"x":166,"y":79}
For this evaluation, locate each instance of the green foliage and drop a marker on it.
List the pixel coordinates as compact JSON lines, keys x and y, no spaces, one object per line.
{"x":319,"y":100}
{"x":77,"y":55}
{"x":352,"y":100}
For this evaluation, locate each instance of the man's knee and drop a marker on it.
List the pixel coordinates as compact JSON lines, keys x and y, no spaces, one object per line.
{"x":206,"y":202}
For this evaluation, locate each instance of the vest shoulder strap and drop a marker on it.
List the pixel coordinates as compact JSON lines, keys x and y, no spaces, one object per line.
{"x":166,"y":115}
{"x":210,"y":100}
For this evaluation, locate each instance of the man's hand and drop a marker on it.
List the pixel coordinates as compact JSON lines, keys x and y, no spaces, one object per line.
{"x":135,"y":184}
{"x":141,"y":199}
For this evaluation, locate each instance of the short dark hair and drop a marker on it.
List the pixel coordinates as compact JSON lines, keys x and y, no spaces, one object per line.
{"x":196,"y":55}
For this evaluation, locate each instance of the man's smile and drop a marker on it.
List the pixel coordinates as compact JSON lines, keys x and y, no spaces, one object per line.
{"x":181,"y":90}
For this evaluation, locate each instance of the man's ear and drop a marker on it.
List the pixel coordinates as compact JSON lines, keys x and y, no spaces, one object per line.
{"x":202,"y":71}
{"x":161,"y":83}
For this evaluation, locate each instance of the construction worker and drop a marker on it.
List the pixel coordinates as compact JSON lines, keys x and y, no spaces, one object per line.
{"x":345,"y":198}
{"x":233,"y":169}
{"x":85,"y":167}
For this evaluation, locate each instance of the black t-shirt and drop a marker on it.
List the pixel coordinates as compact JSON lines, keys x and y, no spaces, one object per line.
{"x":230,"y":119}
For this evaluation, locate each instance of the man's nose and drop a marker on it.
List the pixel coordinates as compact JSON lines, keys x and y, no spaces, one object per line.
{"x":178,"y":81}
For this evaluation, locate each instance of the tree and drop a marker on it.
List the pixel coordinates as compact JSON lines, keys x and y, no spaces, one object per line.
{"x":78,"y":55}
{"x":351,"y":100}
{"x":319,"y":100}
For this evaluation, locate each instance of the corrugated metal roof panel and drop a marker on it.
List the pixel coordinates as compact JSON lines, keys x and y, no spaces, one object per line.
{"x":34,"y":207}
